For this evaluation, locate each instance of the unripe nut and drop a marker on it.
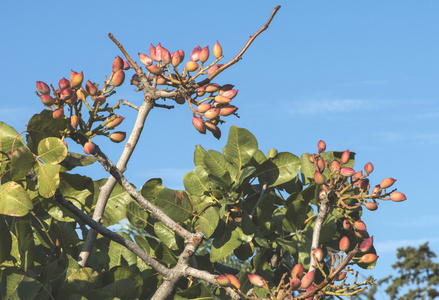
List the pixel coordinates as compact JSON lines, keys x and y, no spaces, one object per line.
{"x":297,"y":271}
{"x":397,"y":197}
{"x":203,"y":107}
{"x":212,"y":113}
{"x":369,"y":258}
{"x":223,"y":281}
{"x":344,"y":244}
{"x":256,"y":280}
{"x":88,"y":148}
{"x":234,"y":281}
{"x":345,"y":157}
{"x":43,"y":88}
{"x":118,"y":136}
{"x":58,"y":114}
{"x":366,"y":244}
{"x":372,"y":206}
{"x":118,"y":77}
{"x":199,"y":125}
{"x":307,"y":279}
{"x":386,"y":183}
{"x":191,"y":66}
{"x":368,"y":168}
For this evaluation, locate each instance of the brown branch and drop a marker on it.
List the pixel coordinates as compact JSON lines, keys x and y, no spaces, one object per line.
{"x":111,"y":235}
{"x":239,"y":55}
{"x":127,"y":56}
{"x":330,"y":278}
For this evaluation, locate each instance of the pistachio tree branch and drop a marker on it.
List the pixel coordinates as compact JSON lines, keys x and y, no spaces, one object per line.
{"x":111,"y":235}
{"x":321,"y":216}
{"x":109,"y":185}
{"x":238,"y":57}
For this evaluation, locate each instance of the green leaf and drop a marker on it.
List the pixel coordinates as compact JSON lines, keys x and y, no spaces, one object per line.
{"x":208,"y":221}
{"x":272,"y":153}
{"x":8,"y":137}
{"x":287,"y":245}
{"x":243,"y":175}
{"x":78,"y":281}
{"x":199,"y":156}
{"x":115,"y":210}
{"x":198,"y":291}
{"x":73,"y":160}
{"x":147,"y":244}
{"x":22,"y":162}
{"x":151,"y":188}
{"x":303,"y":248}
{"x":307,"y":168}
{"x":164,"y":254}
{"x":26,"y":244}
{"x":217,"y":164}
{"x":120,"y":255}
{"x":196,"y":182}
{"x":136,"y":215}
{"x":118,"y":273}
{"x":224,"y":245}
{"x":280,"y":169}
{"x":165,"y":235}
{"x":295,"y":215}
{"x":6,"y":240}
{"x":175,"y":204}
{"x":48,"y":179}
{"x":16,"y":285}
{"x":265,"y":209}
{"x":77,"y":189}
{"x":52,"y":150}
{"x":241,"y":146}
{"x":14,"y":201}
{"x":43,"y":125}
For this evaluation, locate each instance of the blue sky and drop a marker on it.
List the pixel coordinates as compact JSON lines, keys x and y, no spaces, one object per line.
{"x":362,"y":76}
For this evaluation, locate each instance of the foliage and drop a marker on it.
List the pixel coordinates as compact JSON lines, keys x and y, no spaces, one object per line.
{"x":296,"y":219}
{"x":417,"y":276}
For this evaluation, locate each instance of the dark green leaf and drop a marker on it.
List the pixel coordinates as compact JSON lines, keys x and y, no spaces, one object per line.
{"x":120,"y":255}
{"x":26,"y":244}
{"x":43,"y":125}
{"x":208,"y":221}
{"x":165,"y":254}
{"x":151,"y":188}
{"x":196,"y":182}
{"x":73,"y":160}
{"x":198,"y":291}
{"x":165,"y":235}
{"x":175,"y":204}
{"x":6,"y":240}
{"x":199,"y":156}
{"x":280,"y":169}
{"x":15,"y":284}
{"x":136,"y":215}
{"x":224,"y":245}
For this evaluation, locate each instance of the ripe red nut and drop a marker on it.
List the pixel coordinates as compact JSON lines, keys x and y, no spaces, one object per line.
{"x":363,"y":234}
{"x":344,"y":244}
{"x":363,"y":184}
{"x":360,"y":225}
{"x":195,"y":55}
{"x":212,"y":87}
{"x":321,"y":145}
{"x":66,"y":94}
{"x":144,"y":59}
{"x":201,"y":91}
{"x":118,"y":77}
{"x":204,"y":54}
{"x":213,"y":69}
{"x":223,"y":281}
{"x":229,"y":94}
{"x":321,"y":165}
{"x":43,"y":88}
{"x":297,"y":271}
{"x":386,"y":183}
{"x":307,"y":279}
{"x":366,"y":244}
{"x":372,"y":206}
{"x":357,"y":175}
{"x":91,"y":88}
{"x":319,"y":178}
{"x":376,"y":190}
{"x":222,"y":100}
{"x":117,"y":64}
{"x":397,"y":197}
{"x":181,"y":52}
{"x":161,"y":80}
{"x":335,"y":165}
{"x":217,"y":50}
{"x":346,"y":225}
{"x":341,"y":276}
{"x":99,"y":100}
{"x":64,"y":83}
{"x":118,"y":136}
{"x":115,"y":122}
{"x":154,"y":70}
{"x":158,"y":53}
{"x":126,"y":65}
{"x":47,"y":100}
{"x":256,"y":280}
{"x":347,"y":172}
{"x":368,"y":258}
{"x":166,"y":56}
{"x":58,"y":114}
{"x":74,"y":121}
{"x":345,"y":157}
{"x":216,"y":132}
{"x":226,"y":87}
{"x":88,"y":148}
{"x":294,"y":283}
{"x":368,"y":168}
{"x":234,"y":281}
{"x":199,"y":125}
{"x":175,"y":58}
{"x":212,"y":113}
{"x":318,"y":254}
{"x":203,"y":107}
{"x":191,"y":66}
{"x":152,"y":52}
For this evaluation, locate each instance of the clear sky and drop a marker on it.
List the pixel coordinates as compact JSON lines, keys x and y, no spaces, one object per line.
{"x":362,"y":76}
